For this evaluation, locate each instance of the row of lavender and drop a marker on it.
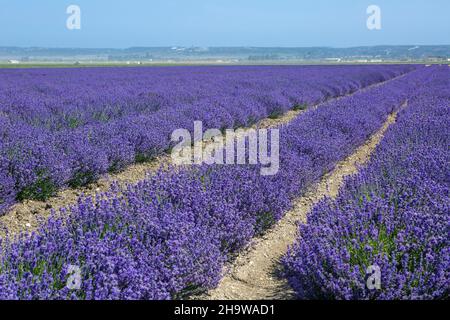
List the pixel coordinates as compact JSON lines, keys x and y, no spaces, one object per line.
{"x":170,"y":234}
{"x":63,"y":128}
{"x":389,"y":221}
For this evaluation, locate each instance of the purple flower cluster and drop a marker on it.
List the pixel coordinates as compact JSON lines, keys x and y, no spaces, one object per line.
{"x":393,"y":215}
{"x":66,"y":127}
{"x":169,"y":235}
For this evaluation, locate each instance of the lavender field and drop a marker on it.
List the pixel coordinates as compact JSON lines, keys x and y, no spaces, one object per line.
{"x":64,"y":128}
{"x":170,"y":235}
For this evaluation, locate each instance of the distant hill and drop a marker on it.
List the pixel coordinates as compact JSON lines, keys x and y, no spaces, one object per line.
{"x":438,"y":53}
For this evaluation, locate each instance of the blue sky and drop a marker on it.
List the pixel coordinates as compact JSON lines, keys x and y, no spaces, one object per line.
{"x":286,"y":23}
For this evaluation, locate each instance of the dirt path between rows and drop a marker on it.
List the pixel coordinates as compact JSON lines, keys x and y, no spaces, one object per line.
{"x":27,"y":215}
{"x":253,"y":275}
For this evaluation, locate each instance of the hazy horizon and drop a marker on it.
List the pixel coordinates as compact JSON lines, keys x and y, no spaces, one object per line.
{"x":259,"y":47}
